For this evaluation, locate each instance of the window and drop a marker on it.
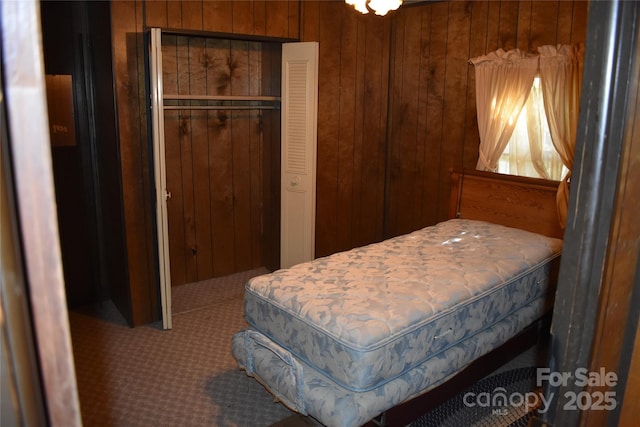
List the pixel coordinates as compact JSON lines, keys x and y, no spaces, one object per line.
{"x":530,"y":151}
{"x":504,"y":89}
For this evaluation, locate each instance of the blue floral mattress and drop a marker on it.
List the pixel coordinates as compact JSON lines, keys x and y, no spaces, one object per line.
{"x":364,"y":318}
{"x":307,"y":391}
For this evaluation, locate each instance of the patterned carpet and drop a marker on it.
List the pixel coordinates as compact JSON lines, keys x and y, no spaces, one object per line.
{"x":183,"y":377}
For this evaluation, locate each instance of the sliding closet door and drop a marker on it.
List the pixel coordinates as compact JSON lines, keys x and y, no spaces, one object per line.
{"x":299,"y":140}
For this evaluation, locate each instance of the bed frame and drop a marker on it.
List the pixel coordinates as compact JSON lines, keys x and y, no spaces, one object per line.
{"x":520,"y":202}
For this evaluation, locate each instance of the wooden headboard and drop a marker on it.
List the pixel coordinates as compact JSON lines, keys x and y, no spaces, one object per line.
{"x":514,"y":201}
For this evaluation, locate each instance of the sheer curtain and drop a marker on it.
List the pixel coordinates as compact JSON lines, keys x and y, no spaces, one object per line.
{"x":561,"y":80}
{"x":503,"y":84}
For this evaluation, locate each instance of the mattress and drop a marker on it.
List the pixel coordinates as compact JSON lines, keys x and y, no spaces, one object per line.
{"x":366,"y":317}
{"x":308,"y":391}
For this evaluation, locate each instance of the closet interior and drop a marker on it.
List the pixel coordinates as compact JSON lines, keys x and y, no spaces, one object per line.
{"x":221,"y":102}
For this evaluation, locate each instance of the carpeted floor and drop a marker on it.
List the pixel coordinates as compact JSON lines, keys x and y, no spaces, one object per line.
{"x":145,"y":376}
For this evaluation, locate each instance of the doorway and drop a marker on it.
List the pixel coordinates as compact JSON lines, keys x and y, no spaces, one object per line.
{"x":85,"y":152}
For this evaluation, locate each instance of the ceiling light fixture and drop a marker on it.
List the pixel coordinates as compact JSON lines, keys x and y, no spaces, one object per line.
{"x":379,"y":7}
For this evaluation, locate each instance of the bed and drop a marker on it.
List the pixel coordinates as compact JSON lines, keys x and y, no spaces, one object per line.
{"x":348,"y":337}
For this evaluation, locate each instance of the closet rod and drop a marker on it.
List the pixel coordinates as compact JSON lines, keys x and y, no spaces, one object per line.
{"x":220,"y":107}
{"x":221,"y":98}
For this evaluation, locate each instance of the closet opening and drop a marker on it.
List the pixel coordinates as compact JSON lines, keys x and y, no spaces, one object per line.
{"x":220,"y":144}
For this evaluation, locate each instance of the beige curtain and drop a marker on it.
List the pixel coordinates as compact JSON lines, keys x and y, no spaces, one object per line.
{"x":499,"y":73}
{"x":561,"y":79}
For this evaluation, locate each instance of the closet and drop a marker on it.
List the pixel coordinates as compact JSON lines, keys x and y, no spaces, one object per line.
{"x":220,"y":126}
{"x":234,"y":155}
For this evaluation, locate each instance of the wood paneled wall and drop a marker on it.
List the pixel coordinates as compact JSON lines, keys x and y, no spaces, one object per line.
{"x":396,"y":103}
{"x":432,"y":112}
{"x":352,"y":122}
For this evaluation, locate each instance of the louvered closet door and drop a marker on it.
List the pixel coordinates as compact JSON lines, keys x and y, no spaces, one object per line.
{"x":299,"y":140}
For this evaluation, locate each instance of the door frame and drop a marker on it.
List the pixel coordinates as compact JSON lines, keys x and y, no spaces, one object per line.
{"x":584,"y":289}
{"x":35,"y":212}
